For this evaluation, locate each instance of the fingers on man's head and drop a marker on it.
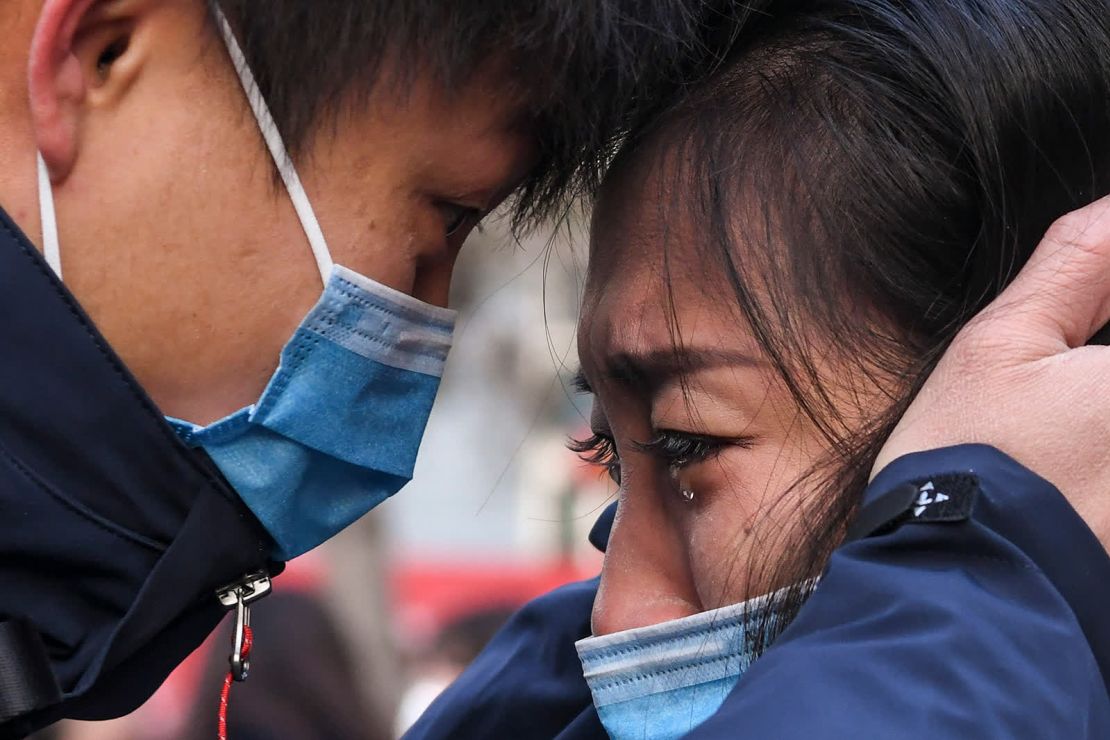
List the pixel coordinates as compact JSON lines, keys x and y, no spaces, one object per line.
{"x":1064,"y":290}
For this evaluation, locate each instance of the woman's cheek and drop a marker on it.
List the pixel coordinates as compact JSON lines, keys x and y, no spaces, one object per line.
{"x":717,"y":525}
{"x":745,"y":500}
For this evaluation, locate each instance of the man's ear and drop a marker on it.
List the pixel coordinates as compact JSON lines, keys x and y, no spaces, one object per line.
{"x":81,"y":58}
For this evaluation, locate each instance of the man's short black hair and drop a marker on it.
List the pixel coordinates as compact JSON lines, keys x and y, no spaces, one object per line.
{"x":587,"y":69}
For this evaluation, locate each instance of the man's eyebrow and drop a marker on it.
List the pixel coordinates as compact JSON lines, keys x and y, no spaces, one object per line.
{"x":647,"y":372}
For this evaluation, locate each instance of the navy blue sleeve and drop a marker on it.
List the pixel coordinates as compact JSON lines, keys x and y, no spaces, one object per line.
{"x":993,"y":626}
{"x":527,"y":683}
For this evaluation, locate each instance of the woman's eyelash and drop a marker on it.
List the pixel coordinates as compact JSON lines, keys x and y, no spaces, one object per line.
{"x":676,"y":450}
{"x":601,"y":450}
{"x":679,"y":449}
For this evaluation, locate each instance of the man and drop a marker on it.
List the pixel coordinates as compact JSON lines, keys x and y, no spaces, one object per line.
{"x":194,"y":173}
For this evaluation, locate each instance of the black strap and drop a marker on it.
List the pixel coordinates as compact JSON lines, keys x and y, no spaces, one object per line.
{"x":884,"y":511}
{"x":948,"y":497}
{"x":27,"y":682}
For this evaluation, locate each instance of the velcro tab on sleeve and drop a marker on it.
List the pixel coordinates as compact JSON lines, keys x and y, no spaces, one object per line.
{"x":942,"y":498}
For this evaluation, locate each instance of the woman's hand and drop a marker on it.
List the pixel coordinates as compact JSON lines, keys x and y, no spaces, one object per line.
{"x":1020,"y":377}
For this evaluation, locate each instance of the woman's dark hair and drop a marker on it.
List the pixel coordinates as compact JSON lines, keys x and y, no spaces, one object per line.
{"x":875,"y":172}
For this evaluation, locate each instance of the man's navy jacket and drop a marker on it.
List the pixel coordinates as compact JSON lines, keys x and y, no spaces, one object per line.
{"x":114,"y":538}
{"x":981,"y":614}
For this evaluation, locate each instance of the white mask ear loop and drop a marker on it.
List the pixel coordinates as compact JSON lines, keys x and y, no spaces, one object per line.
{"x":50,"y":248}
{"x":278,"y":151}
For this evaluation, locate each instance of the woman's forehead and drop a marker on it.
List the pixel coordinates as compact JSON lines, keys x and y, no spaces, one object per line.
{"x":641,"y":307}
{"x":654,"y":280}
{"x":639,"y":231}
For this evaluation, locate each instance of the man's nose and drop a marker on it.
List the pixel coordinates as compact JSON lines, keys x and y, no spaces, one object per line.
{"x":646,"y":577}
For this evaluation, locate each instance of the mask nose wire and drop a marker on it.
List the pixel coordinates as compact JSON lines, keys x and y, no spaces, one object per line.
{"x":278,"y":152}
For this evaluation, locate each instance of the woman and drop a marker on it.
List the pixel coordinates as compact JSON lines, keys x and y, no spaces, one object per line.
{"x":777,"y":265}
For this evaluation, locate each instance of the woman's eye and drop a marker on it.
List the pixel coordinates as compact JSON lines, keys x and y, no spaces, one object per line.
{"x":677,"y":450}
{"x":600,"y":450}
{"x":456,"y":216}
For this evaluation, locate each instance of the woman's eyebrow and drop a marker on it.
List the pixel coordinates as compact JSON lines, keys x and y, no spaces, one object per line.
{"x":649,"y":371}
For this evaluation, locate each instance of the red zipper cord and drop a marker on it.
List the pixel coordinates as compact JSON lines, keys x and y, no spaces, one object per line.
{"x":225,"y":692}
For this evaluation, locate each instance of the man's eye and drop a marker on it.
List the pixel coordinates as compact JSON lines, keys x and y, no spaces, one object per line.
{"x":456,"y":216}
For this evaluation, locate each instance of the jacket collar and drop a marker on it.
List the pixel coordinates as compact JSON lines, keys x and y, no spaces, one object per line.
{"x":113,"y":535}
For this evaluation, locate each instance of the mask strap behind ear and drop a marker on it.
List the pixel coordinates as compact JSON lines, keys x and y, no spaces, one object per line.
{"x":50,"y":248}
{"x":280,"y":155}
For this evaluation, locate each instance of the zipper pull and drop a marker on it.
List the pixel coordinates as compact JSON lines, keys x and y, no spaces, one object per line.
{"x":240,"y":595}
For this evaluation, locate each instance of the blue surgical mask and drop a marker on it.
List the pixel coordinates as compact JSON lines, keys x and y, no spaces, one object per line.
{"x":662,"y":681}
{"x":337,"y":429}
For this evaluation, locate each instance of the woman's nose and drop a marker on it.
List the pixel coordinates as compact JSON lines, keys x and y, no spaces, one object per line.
{"x":646,"y":577}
